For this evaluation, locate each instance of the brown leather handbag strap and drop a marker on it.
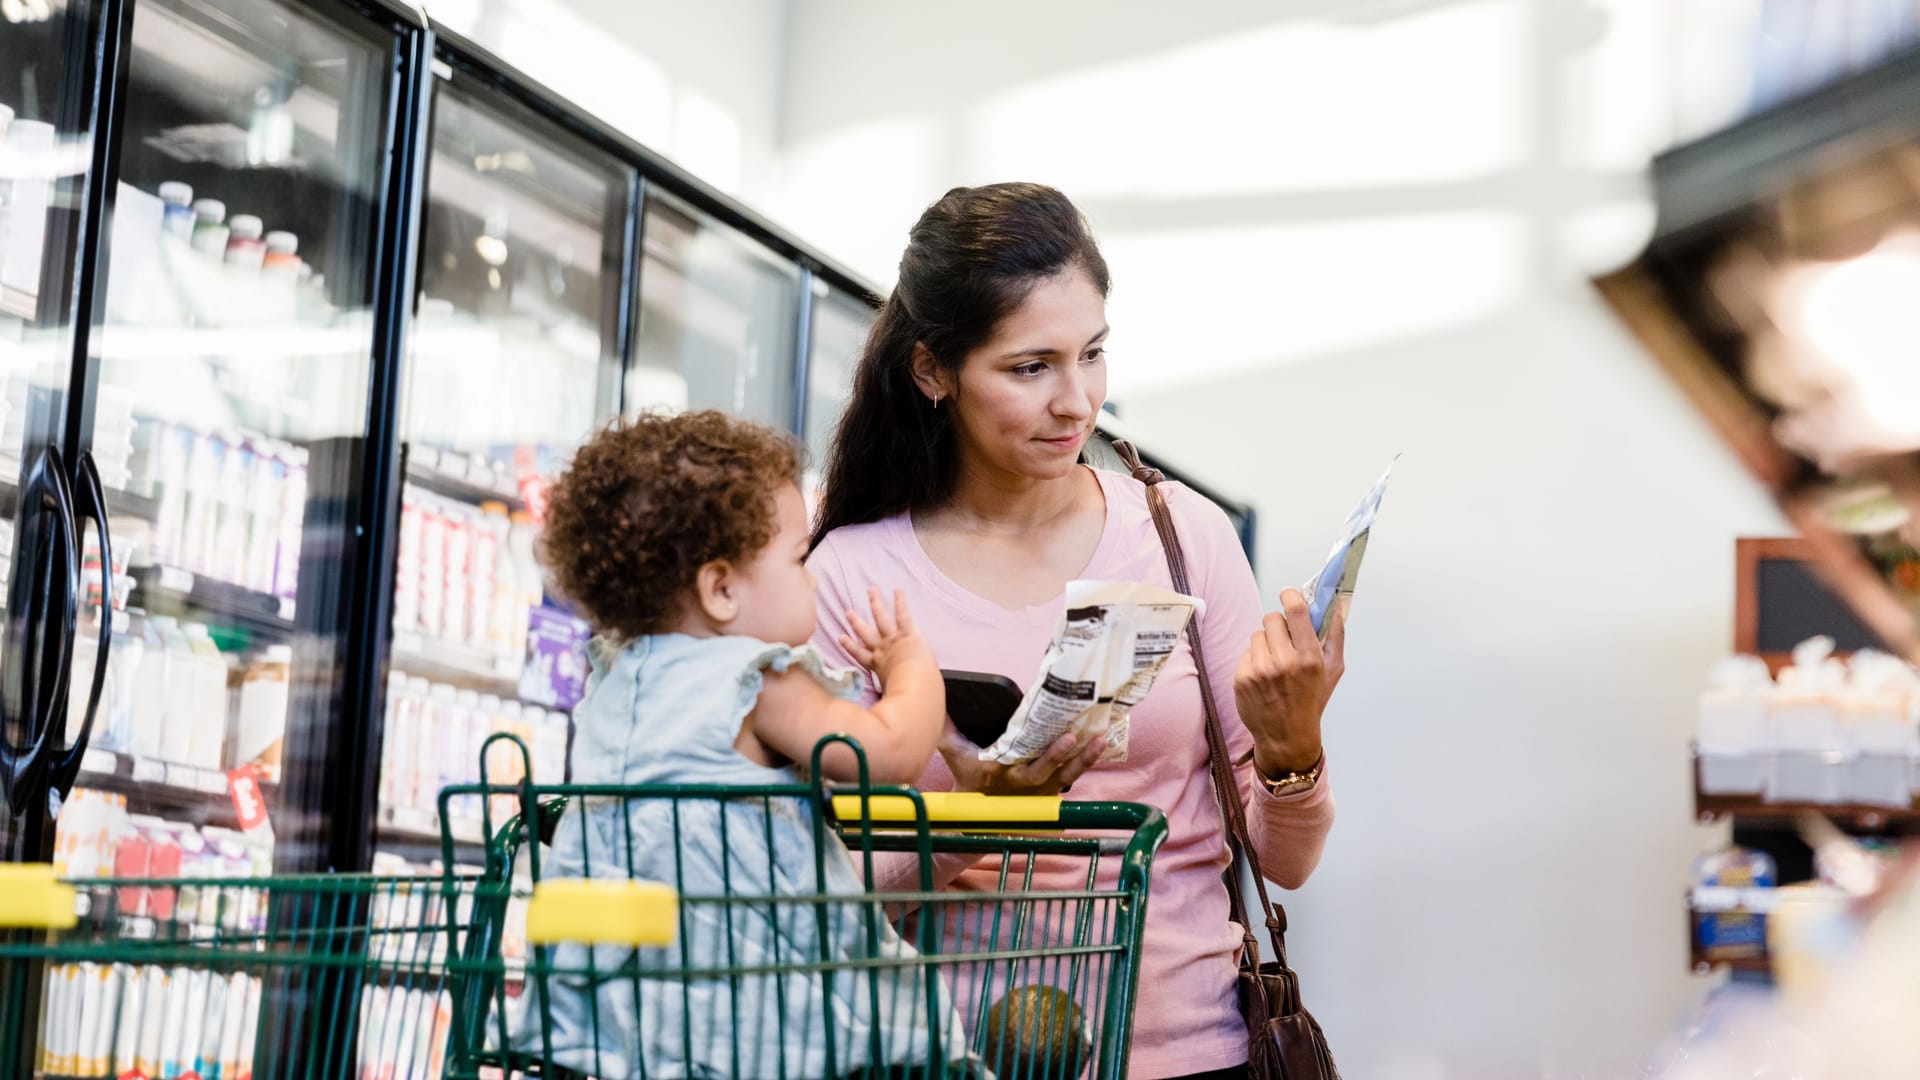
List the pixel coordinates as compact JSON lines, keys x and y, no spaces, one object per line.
{"x":1225,"y":788}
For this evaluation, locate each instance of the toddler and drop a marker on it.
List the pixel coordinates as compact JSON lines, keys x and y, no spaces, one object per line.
{"x":683,"y":540}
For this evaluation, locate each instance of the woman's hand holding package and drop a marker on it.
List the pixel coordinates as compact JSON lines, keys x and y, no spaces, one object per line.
{"x":1048,"y":774}
{"x":1284,"y":681}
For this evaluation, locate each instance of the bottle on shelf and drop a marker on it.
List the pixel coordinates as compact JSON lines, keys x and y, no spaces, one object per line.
{"x":433,"y":565}
{"x":202,"y":503}
{"x":456,"y":591}
{"x":263,"y":501}
{"x":526,"y":572}
{"x":176,"y":729}
{"x":245,"y":248}
{"x":228,"y":561}
{"x":282,"y":260}
{"x":457,"y":759}
{"x":293,"y":510}
{"x":261,"y":723}
{"x":147,"y":714}
{"x":177,"y":215}
{"x":124,"y":661}
{"x":397,"y":741}
{"x":406,"y":565}
{"x":209,"y":227}
{"x":487,"y":545}
{"x":172,"y":463}
{"x":210,"y":699}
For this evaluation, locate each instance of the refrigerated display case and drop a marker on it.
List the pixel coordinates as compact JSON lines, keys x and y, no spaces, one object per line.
{"x":515,"y":358}
{"x":50,"y":97}
{"x":232,"y":358}
{"x":719,"y":318}
{"x":837,"y":327}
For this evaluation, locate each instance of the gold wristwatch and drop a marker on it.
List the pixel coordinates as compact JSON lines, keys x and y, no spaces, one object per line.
{"x":1292,"y":782}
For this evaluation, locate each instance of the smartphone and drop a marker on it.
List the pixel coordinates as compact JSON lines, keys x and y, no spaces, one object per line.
{"x":981,"y":704}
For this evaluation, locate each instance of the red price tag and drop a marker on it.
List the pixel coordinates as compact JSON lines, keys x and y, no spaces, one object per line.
{"x":533,"y":490}
{"x":248,"y":800}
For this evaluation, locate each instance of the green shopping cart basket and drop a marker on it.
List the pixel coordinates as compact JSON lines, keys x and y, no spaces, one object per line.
{"x":806,"y":930}
{"x":310,"y":976}
{"x":750,"y":970}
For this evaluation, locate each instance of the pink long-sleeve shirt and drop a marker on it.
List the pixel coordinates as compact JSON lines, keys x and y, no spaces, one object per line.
{"x":1186,"y":1019}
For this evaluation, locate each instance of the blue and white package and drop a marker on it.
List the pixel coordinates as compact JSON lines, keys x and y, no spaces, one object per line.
{"x":1342,"y":571}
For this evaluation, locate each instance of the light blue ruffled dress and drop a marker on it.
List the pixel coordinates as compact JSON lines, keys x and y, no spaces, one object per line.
{"x":666,"y":709}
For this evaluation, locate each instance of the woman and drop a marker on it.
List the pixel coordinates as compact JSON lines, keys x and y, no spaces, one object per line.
{"x":956,"y":475}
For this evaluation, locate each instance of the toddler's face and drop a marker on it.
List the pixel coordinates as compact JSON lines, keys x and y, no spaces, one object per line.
{"x":776,"y":589}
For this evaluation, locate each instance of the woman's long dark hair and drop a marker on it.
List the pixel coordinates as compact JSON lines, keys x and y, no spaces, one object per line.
{"x":970,"y":260}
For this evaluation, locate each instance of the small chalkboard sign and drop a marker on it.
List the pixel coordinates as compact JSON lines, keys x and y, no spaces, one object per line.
{"x":1780,"y":600}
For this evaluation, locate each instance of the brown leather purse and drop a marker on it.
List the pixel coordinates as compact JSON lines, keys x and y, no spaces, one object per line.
{"x":1284,"y":1041}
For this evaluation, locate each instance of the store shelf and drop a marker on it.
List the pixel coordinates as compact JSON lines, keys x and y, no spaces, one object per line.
{"x":167,"y":590}
{"x":459,"y":665}
{"x":120,"y":504}
{"x":417,"y":840}
{"x":165,"y":789}
{"x":1755,"y":810}
{"x":459,"y":476}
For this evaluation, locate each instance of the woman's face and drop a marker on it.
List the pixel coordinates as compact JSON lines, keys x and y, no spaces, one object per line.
{"x":1027,"y":398}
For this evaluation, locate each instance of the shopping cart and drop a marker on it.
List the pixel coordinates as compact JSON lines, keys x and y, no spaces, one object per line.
{"x":227,"y":979}
{"x":554,"y":960}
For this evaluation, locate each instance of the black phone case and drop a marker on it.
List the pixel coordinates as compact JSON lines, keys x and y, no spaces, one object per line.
{"x":981,"y":704}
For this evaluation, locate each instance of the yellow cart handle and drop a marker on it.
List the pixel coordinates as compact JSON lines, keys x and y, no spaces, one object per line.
{"x":952,"y":808}
{"x":32,"y":898}
{"x":602,"y":912}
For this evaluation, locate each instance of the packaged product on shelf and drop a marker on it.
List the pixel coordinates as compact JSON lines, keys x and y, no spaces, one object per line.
{"x":147,"y":719}
{"x":245,"y":248}
{"x":526,"y":575}
{"x":1808,"y":763}
{"x":207,"y":745}
{"x":97,"y":987}
{"x":133,"y":859}
{"x":406,"y":565}
{"x":25,"y":200}
{"x":439,"y":741}
{"x":167,"y":859}
{"x":293,"y":509}
{"x":1734,"y":734}
{"x":202,"y":1045}
{"x":397,"y":739}
{"x":156,"y":1009}
{"x":503,"y":638}
{"x":178,"y":217}
{"x":261,"y":725}
{"x":230,"y":528}
{"x":264,"y":495}
{"x":209,"y":227}
{"x":457,"y":760}
{"x":282,"y":259}
{"x":1731,"y":935}
{"x":58,"y":1036}
{"x":173,"y":1026}
{"x":223,"y":1041}
{"x":456,"y":592}
{"x":202,"y":504}
{"x":489,"y":534}
{"x":171,"y":476}
{"x":433,"y":565}
{"x":187,"y":1045}
{"x":129,"y":1018}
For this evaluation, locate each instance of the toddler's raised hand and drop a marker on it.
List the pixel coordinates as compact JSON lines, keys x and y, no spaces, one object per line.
{"x":889,"y":641}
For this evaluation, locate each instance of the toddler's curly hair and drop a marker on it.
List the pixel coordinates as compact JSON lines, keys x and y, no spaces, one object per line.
{"x":649,"y":501}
